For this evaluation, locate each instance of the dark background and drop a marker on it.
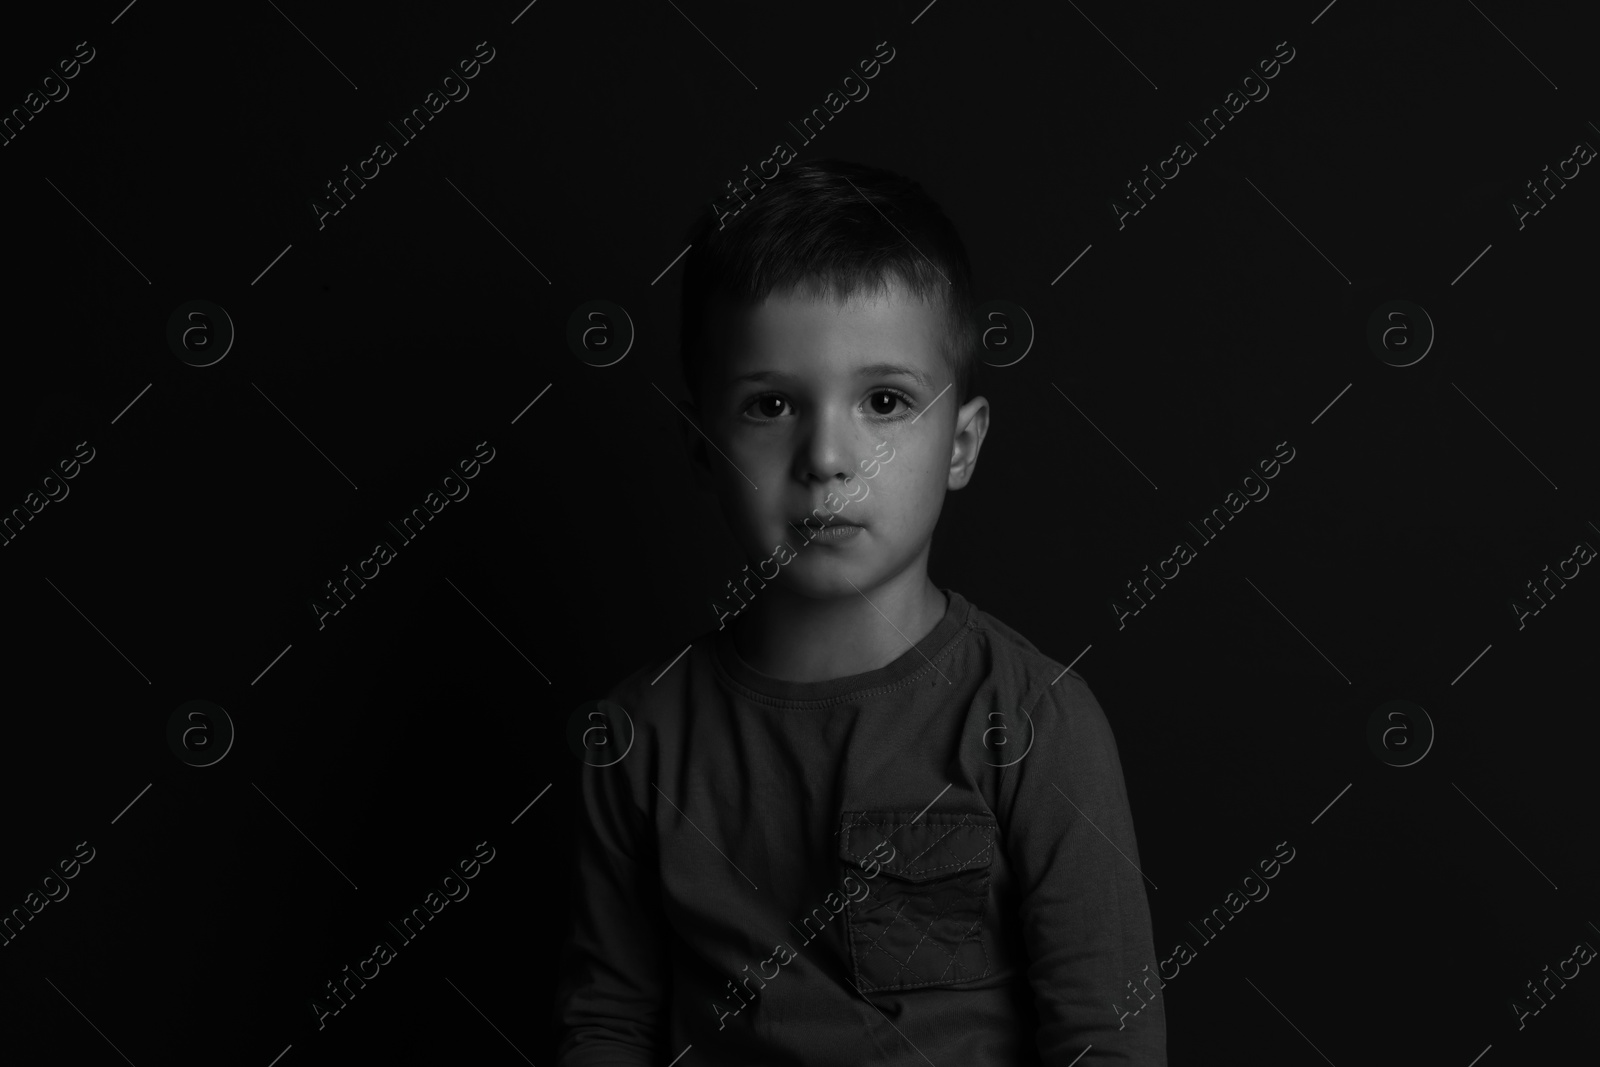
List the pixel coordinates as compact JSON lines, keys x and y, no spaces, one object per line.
{"x":424,"y":718}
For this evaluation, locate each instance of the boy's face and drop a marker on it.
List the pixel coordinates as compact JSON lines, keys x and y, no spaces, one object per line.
{"x":822,"y":404}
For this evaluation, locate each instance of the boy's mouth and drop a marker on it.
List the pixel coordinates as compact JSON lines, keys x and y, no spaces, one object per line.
{"x":834,"y":520}
{"x":835,"y":531}
{"x":832,"y":523}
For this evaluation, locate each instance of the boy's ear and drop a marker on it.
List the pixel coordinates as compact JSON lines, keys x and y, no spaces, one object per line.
{"x":972,"y":426}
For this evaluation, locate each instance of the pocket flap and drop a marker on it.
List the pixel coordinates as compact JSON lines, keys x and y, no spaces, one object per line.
{"x":936,"y":845}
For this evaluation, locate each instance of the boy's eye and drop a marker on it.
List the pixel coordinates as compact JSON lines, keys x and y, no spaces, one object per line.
{"x":767,"y":407}
{"x":887,"y":398}
{"x":880,"y":403}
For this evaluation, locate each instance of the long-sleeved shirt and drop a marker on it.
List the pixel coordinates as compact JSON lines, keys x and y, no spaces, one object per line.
{"x":931,"y":861}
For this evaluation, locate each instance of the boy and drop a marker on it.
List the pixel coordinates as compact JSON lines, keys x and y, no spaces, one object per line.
{"x":861,"y":821}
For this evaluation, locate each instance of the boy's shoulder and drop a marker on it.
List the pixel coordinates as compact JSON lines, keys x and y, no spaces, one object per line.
{"x":661,"y":684}
{"x":1028,"y":697}
{"x":1010,"y":653}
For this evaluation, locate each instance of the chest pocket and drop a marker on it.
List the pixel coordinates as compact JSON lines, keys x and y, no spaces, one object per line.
{"x":916,"y":913}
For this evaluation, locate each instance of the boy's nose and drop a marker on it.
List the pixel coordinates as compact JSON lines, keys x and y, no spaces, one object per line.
{"x":829,"y":449}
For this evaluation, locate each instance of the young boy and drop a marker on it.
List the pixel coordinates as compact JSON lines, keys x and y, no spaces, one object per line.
{"x":861,"y":821}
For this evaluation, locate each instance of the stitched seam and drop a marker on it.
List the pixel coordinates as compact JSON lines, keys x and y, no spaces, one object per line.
{"x":904,"y":965}
{"x":982,"y":911}
{"x":873,"y":943}
{"x":927,"y":932}
{"x":856,"y":694}
{"x":888,"y":829}
{"x":862,"y":943}
{"x":987,"y":966}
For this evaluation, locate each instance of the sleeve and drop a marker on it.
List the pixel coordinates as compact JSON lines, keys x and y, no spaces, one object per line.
{"x":1068,"y":834}
{"x":612,"y":990}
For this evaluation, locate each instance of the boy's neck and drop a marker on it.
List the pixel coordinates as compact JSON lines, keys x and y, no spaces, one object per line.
{"x":797,"y":639}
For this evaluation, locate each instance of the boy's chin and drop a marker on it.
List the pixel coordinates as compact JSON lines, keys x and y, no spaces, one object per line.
{"x":825,"y":578}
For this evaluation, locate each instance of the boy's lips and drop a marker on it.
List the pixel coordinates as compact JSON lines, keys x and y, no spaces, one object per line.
{"x":800,"y":522}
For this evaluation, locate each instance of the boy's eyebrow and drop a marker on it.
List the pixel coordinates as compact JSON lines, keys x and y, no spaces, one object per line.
{"x":872,"y":370}
{"x":884,"y":370}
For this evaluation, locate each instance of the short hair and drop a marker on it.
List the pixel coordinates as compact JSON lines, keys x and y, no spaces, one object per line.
{"x":836,"y":226}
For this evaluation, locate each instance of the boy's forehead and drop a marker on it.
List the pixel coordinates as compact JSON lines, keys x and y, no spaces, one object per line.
{"x":797,"y":330}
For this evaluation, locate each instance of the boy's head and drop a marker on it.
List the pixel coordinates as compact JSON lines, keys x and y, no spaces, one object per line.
{"x":829,"y":346}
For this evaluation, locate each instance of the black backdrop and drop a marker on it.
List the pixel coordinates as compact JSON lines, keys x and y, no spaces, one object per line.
{"x":372,"y":354}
